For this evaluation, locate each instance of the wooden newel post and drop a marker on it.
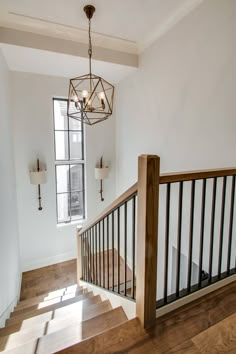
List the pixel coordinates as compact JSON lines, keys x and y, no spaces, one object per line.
{"x":146,"y":272}
{"x":79,"y":257}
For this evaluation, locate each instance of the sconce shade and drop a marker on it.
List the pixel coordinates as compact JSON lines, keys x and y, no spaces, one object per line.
{"x":101,"y":172}
{"x":38,"y":177}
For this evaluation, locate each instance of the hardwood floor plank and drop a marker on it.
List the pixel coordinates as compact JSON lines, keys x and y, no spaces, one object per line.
{"x":220,"y":338}
{"x":187,"y":347}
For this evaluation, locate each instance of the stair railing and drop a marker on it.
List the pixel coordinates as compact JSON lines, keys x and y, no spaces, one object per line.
{"x":198,"y":235}
{"x":192,"y":212}
{"x":105,"y":244}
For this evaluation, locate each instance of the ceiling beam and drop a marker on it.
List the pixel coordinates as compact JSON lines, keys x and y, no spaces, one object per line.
{"x":57,"y":45}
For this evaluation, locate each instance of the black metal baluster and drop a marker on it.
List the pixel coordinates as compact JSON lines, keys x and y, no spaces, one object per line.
{"x":108,"y":266}
{"x":213,"y":210}
{"x":202,"y":232}
{"x":222,"y":226}
{"x":113,"y":260}
{"x":133,"y":245}
{"x":86,"y":255}
{"x":118,"y":247}
{"x":125,"y":245}
{"x":83,"y":242}
{"x":99,"y":240}
{"x":96,"y":246}
{"x":190,"y":250}
{"x":82,"y":254}
{"x":167,"y":241}
{"x":103,"y":254}
{"x":179,"y":238}
{"x":90,"y":257}
{"x":231,"y":224}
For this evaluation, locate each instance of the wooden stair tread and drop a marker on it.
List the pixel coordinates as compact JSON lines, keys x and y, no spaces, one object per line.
{"x":43,"y":285}
{"x":47,"y":296}
{"x":48,"y":302}
{"x":45,"y":317}
{"x":29,"y":314}
{"x":110,"y":341}
{"x":27,"y":348}
{"x":61,"y":339}
{"x":26,"y":335}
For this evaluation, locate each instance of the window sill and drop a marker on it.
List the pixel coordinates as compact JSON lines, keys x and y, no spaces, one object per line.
{"x":79,"y":223}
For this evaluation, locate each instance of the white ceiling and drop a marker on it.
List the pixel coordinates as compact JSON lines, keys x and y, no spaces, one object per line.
{"x":135,"y":21}
{"x":127,"y":26}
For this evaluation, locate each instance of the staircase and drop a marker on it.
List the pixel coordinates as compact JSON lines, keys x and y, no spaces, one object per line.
{"x":51,"y":322}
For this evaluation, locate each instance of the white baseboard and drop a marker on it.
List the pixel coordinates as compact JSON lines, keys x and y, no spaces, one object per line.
{"x":39,"y":263}
{"x":6,"y":314}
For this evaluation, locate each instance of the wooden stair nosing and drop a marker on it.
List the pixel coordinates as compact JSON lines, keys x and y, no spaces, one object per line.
{"x":24,"y":336}
{"x":45,"y":317}
{"x":24,"y":316}
{"x":46,"y":303}
{"x":71,"y":335}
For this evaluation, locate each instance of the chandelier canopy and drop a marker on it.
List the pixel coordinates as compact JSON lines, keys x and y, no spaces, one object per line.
{"x":90,"y":96}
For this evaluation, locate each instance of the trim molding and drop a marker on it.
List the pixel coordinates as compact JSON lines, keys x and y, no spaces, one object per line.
{"x":192,"y":297}
{"x":6,"y":313}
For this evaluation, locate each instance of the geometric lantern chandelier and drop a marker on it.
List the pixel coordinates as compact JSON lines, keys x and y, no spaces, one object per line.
{"x":90,"y":96}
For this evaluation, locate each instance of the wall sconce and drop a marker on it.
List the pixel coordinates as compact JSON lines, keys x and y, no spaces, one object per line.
{"x":101,"y":172}
{"x":38,"y":177}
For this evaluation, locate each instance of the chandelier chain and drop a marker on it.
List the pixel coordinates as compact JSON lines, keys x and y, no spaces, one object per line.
{"x":90,"y":47}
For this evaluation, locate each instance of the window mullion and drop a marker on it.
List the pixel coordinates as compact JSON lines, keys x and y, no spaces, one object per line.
{"x":79,"y":196}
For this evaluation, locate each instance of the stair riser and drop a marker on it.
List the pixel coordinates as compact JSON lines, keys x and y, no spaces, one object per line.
{"x":44,"y":304}
{"x":30,"y":314}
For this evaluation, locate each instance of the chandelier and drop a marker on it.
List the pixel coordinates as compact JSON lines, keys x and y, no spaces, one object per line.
{"x":90,"y":96}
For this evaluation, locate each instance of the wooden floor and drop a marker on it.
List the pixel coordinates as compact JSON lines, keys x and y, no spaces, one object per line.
{"x":39,"y":281}
{"x":207,"y":325}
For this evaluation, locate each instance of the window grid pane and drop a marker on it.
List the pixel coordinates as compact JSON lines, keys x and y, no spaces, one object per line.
{"x":69,"y":165}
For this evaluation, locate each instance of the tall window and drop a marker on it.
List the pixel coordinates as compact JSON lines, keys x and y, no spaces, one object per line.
{"x":69,"y":164}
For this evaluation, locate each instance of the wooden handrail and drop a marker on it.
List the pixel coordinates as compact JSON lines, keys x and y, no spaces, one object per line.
{"x":117,"y":202}
{"x":194,"y":175}
{"x":164,"y":178}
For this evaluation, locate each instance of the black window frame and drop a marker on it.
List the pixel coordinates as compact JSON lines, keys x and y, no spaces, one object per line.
{"x":69,"y":162}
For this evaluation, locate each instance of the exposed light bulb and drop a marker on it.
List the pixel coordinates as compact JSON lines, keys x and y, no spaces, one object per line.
{"x":84,"y":93}
{"x":75,"y":98}
{"x":101,"y":95}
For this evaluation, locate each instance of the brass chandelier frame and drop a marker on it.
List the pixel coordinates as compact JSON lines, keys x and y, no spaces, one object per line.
{"x":90,"y":96}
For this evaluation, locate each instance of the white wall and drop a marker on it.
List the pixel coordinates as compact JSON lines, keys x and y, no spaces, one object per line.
{"x":181,"y":105}
{"x":9,"y":248}
{"x":181,"y":102}
{"x":42,"y":242}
